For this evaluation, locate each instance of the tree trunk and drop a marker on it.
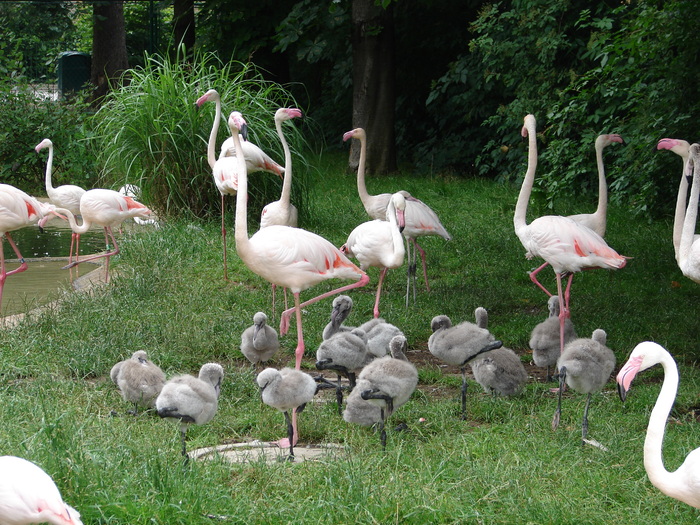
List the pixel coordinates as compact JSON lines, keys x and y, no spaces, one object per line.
{"x":109,"y":58}
{"x":373,"y":97}
{"x":184,"y":25}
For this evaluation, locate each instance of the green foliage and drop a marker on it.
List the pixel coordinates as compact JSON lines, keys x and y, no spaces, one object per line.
{"x":151,"y":133}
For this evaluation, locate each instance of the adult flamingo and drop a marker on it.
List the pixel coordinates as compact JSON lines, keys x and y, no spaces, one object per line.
{"x":29,"y":495}
{"x":684,"y":483}
{"x":66,"y":196}
{"x":282,"y":212}
{"x":420,"y":218}
{"x":105,"y":208}
{"x":379,"y":243}
{"x":563,"y":243}
{"x":681,"y":148}
{"x":290,"y":257}
{"x":225,"y":167}
{"x":689,"y":246}
{"x":17,"y":210}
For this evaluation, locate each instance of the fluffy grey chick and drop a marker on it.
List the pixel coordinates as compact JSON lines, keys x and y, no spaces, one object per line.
{"x":259,"y":342}
{"x":345,"y":353}
{"x":191,"y":399}
{"x":499,"y":372}
{"x":286,"y":389}
{"x":585,"y":365}
{"x":459,"y":344}
{"x":388,"y":382}
{"x":544,"y":339}
{"x":342,"y":306}
{"x":139,"y":380}
{"x":379,"y":334}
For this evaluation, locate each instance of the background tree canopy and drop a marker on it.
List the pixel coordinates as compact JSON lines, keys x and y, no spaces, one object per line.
{"x":465,"y":75}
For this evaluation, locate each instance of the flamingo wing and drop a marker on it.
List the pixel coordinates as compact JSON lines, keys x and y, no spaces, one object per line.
{"x":422,"y":220}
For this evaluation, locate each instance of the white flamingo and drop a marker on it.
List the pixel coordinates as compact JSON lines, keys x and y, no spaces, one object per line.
{"x":420,"y":218}
{"x":290,"y":257}
{"x":563,"y":243}
{"x":66,"y":196}
{"x":29,"y":495}
{"x":105,"y":208}
{"x":224,"y":168}
{"x":684,"y":483}
{"x":379,"y":243}
{"x":689,"y":247}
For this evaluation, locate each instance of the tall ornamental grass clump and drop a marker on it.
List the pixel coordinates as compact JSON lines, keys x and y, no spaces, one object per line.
{"x":151,"y":133}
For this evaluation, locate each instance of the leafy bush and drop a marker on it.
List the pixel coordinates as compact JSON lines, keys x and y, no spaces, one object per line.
{"x":151,"y":133}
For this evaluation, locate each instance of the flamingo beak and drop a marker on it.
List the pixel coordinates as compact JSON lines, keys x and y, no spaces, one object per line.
{"x":244,"y":131}
{"x":626,"y":374}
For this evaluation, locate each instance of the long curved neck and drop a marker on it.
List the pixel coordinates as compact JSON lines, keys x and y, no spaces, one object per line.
{"x":241,"y":227}
{"x":519,"y":218}
{"x":211,"y":145}
{"x":679,"y":216}
{"x":653,"y":459}
{"x":361,"y":188}
{"x":602,"y":209}
{"x":396,"y":237}
{"x":287,"y":182}
{"x":80,"y":229}
{"x":49,"y":169}
{"x":691,"y":215}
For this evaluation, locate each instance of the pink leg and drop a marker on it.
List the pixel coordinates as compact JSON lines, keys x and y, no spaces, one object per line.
{"x":223,"y":235}
{"x":299,"y":352}
{"x":108,"y":254}
{"x":422,"y":258}
{"x":533,"y":278}
{"x":3,"y":274}
{"x":379,"y":291}
{"x":274,"y":288}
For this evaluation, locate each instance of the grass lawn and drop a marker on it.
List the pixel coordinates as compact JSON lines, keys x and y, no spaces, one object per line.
{"x":504,"y":464}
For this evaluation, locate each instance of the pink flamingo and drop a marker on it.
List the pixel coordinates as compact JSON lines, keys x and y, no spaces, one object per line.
{"x":66,"y":196}
{"x":420,"y":218}
{"x":681,"y":148}
{"x":290,"y":257}
{"x":105,"y":208}
{"x":282,"y":212}
{"x":563,"y":243}
{"x":29,"y":495}
{"x":17,"y":210}
{"x":225,"y":167}
{"x":689,"y":246}
{"x":379,"y":243}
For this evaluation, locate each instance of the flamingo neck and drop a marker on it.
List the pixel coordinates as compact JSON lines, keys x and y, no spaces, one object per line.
{"x":653,"y":459}
{"x":79,"y":229}
{"x":241,"y":225}
{"x":361,"y":187}
{"x":679,"y":216}
{"x":287,"y":182}
{"x":211,"y":145}
{"x":519,"y":218}
{"x":602,"y":210}
{"x":396,"y":237}
{"x":691,"y":215}
{"x":49,"y":169}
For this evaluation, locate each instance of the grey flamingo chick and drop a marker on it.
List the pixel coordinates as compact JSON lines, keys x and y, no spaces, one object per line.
{"x":585,"y":365}
{"x":342,"y":306}
{"x":344,"y":353}
{"x":287,"y":389}
{"x":388,"y":382}
{"x":459,"y":344}
{"x":191,"y":399}
{"x":500,"y":372}
{"x":259,"y":342}
{"x":545,"y":337}
{"x":139,"y":380}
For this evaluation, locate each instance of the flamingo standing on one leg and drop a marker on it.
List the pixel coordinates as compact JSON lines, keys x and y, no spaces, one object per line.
{"x":282,"y":212}
{"x":225,"y":167}
{"x":105,"y":208}
{"x":17,"y":210}
{"x":66,"y":196}
{"x":290,"y":257}
{"x":420,"y":218}
{"x":379,"y":243}
{"x":568,"y":246}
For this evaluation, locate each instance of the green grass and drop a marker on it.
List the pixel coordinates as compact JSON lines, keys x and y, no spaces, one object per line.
{"x":503,"y":465}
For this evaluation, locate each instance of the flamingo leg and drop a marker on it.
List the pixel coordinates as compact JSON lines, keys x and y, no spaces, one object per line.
{"x":382,"y":274}
{"x":108,"y":254}
{"x":223,"y":235}
{"x":3,"y":273}
{"x":409,"y":272}
{"x":416,"y":246}
{"x":274,"y":288}
{"x":533,"y":278}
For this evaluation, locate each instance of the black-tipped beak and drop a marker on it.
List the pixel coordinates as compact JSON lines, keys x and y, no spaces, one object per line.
{"x":244,"y":131}
{"x":621,"y":392}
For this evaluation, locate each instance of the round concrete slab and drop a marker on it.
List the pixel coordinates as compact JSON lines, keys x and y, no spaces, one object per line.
{"x":253,"y":451}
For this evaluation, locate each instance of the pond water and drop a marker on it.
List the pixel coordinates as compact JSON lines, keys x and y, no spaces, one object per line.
{"x":44,"y":279}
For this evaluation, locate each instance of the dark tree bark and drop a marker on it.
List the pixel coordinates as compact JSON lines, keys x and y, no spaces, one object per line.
{"x":374,"y":90}
{"x":184,"y":25}
{"x":109,"y":58}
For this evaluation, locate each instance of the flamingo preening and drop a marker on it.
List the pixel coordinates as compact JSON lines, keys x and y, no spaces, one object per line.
{"x":225,"y":167}
{"x":563,"y":243}
{"x":105,"y":208}
{"x":684,"y":483}
{"x":290,"y":257}
{"x":420,"y":218}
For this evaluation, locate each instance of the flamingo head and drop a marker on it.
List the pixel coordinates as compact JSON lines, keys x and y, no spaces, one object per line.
{"x":440,"y":321}
{"x":529,"y":125}
{"x":678,"y":146}
{"x":287,"y":113}
{"x":212,"y":94}
{"x":43,"y":144}
{"x":398,"y":202}
{"x":645,"y":355}
{"x":237,"y":122}
{"x":357,"y":133}
{"x":603,"y":141}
